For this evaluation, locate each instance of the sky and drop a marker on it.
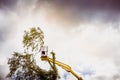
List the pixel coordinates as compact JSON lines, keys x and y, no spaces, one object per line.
{"x":84,"y":34}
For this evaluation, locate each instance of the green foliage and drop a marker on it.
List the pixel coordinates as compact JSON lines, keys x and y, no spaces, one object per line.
{"x":33,"y":39}
{"x":23,"y":66}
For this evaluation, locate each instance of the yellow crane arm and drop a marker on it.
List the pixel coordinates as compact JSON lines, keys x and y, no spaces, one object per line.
{"x":64,"y":66}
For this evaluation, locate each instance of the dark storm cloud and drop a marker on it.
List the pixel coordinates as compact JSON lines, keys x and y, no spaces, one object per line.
{"x":87,"y":4}
{"x":104,"y":11}
{"x":90,"y":5}
{"x":80,"y":4}
{"x":76,"y":10}
{"x":9,"y":4}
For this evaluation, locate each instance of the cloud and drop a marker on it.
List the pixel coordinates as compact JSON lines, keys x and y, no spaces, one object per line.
{"x":3,"y":72}
{"x":114,"y":77}
{"x":86,"y":4}
{"x":71,"y":13}
{"x":7,"y":4}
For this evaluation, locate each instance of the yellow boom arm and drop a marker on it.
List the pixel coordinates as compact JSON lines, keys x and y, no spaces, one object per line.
{"x":64,"y":66}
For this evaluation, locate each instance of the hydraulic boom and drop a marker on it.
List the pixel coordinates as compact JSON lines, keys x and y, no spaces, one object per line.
{"x":64,"y":66}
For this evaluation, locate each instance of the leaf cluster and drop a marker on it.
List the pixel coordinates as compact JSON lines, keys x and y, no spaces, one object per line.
{"x":33,"y":39}
{"x":23,"y":67}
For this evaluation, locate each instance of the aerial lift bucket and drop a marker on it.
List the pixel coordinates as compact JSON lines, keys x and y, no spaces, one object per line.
{"x":44,"y":52}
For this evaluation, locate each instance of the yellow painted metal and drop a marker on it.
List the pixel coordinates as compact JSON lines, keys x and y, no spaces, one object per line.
{"x":64,"y":66}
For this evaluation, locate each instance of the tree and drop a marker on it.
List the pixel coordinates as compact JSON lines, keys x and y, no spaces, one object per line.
{"x":22,"y":66}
